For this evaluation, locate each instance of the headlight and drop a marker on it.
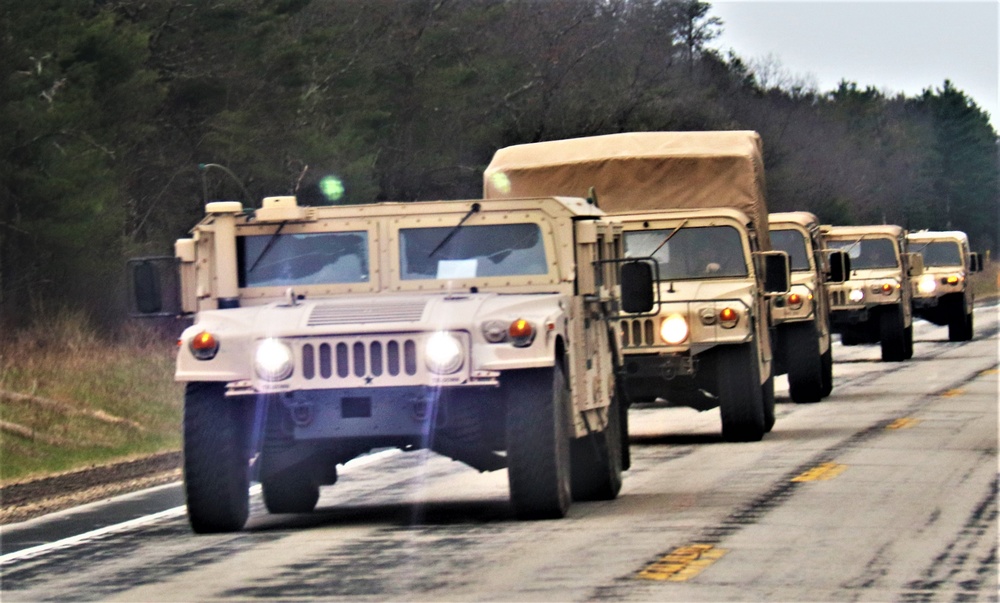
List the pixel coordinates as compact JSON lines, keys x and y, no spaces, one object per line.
{"x":273,"y":360}
{"x":204,"y":346}
{"x":443,"y":353}
{"x":927,"y":284}
{"x":856,"y":295}
{"x":674,"y":329}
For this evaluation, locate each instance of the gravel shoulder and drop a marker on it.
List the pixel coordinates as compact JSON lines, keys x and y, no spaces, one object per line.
{"x":25,"y":500}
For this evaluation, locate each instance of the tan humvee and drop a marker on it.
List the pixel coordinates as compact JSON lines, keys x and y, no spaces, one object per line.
{"x":873,"y":305}
{"x":477,"y":329}
{"x":802,"y":317}
{"x":693,"y":204}
{"x":942,"y":294}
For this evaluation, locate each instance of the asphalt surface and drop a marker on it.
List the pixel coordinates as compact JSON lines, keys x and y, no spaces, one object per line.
{"x":886,"y":491}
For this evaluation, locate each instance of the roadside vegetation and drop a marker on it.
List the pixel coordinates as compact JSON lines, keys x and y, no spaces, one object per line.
{"x":986,"y":284}
{"x":72,"y":397}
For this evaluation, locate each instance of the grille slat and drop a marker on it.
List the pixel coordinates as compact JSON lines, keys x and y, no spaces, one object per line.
{"x":344,"y":314}
{"x":638,"y":332}
{"x":357,"y":360}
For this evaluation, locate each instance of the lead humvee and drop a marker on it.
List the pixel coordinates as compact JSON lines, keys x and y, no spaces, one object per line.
{"x":942,"y":294}
{"x":476,"y":329}
{"x":873,"y":305}
{"x":693,"y":203}
{"x":802,"y":339}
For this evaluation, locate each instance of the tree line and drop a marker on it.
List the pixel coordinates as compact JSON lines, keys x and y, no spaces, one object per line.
{"x":110,"y":106}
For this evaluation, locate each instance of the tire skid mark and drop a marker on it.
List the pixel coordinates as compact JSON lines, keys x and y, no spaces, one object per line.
{"x":957,"y":566}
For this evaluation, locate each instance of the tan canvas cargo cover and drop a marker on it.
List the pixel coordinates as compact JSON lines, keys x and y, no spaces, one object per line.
{"x":640,"y":171}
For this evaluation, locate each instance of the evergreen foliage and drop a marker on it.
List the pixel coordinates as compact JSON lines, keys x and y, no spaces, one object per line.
{"x":109,"y":107}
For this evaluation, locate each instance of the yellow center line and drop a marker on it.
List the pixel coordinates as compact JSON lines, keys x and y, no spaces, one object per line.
{"x":821,"y":472}
{"x":682,"y":563}
{"x":903,"y":423}
{"x":951,"y":393}
{"x":991,"y":371}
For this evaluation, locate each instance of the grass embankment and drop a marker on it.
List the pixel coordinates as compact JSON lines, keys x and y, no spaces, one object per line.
{"x":71,"y":399}
{"x":986,"y":284}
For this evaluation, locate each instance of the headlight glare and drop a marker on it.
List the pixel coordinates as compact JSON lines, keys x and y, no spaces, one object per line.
{"x":674,"y":329}
{"x":273,"y":360}
{"x":927,"y":284}
{"x":443,"y":353}
{"x":856,"y":295}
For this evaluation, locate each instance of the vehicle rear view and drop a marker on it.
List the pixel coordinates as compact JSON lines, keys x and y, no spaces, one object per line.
{"x":479,"y":330}
{"x":942,"y":294}
{"x":802,"y":347}
{"x":874,"y":304}
{"x":692,"y":205}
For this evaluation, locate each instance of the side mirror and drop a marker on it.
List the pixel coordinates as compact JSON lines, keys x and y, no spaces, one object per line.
{"x":840,"y":267}
{"x":637,"y":287}
{"x":148,"y":279}
{"x":975,"y":262}
{"x":915,"y":264}
{"x":776,"y":271}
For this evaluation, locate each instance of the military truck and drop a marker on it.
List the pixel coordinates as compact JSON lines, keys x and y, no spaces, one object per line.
{"x":694,"y":204}
{"x":476,"y":329}
{"x":802,"y":339}
{"x":942,"y":294}
{"x":873,"y":305}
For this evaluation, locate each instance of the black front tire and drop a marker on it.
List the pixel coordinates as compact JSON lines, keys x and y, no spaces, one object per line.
{"x":960,"y":326}
{"x":216,"y":459}
{"x":805,"y":363}
{"x":597,"y":462}
{"x":827,"y":361}
{"x":767,"y":395}
{"x":892,"y":334}
{"x":290,"y":493}
{"x":538,"y":444}
{"x":741,"y":400}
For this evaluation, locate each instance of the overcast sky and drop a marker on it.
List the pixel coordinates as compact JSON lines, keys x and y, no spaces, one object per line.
{"x":893,"y":45}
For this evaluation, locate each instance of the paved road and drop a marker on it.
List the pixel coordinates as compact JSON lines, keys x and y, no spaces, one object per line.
{"x":886,"y":491}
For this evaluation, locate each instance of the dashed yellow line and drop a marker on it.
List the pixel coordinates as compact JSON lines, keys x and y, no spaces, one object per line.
{"x":904,"y":423}
{"x":682,"y":563}
{"x":821,"y":472}
{"x":991,"y":371}
{"x":951,"y":393}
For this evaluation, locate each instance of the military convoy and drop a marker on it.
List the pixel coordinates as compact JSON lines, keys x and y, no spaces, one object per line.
{"x":942,"y":294}
{"x":802,"y":337}
{"x":514,"y":331}
{"x":693,"y":204}
{"x":481,"y":330}
{"x":874,"y":304}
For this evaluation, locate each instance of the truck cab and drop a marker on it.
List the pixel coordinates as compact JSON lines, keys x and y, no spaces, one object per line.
{"x":692,"y":205}
{"x":477,"y":329}
{"x":873,"y":305}
{"x":942,"y":294}
{"x":802,"y":335}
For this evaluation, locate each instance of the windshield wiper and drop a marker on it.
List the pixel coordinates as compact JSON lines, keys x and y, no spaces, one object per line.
{"x":474,"y":209}
{"x":267,"y":247}
{"x":669,"y":236}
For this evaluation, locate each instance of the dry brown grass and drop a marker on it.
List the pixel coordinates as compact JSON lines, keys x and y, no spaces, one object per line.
{"x":71,"y":397}
{"x":986,"y":284}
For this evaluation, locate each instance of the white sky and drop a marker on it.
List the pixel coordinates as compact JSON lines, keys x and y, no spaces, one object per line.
{"x":894,"y":45}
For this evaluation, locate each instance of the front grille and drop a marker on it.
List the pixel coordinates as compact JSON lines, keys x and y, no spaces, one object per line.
{"x":350,"y":314}
{"x":839,"y":298}
{"x":391,"y":357}
{"x":637,"y":332}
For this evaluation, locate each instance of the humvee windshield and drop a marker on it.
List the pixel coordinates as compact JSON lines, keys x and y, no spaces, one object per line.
{"x":868,"y":253}
{"x":691,"y":253}
{"x":283,"y":260}
{"x":793,"y":243}
{"x":941,"y":253}
{"x":471,"y":251}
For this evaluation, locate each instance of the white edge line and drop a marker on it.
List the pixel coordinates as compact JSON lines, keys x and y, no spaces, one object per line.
{"x":40,"y":549}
